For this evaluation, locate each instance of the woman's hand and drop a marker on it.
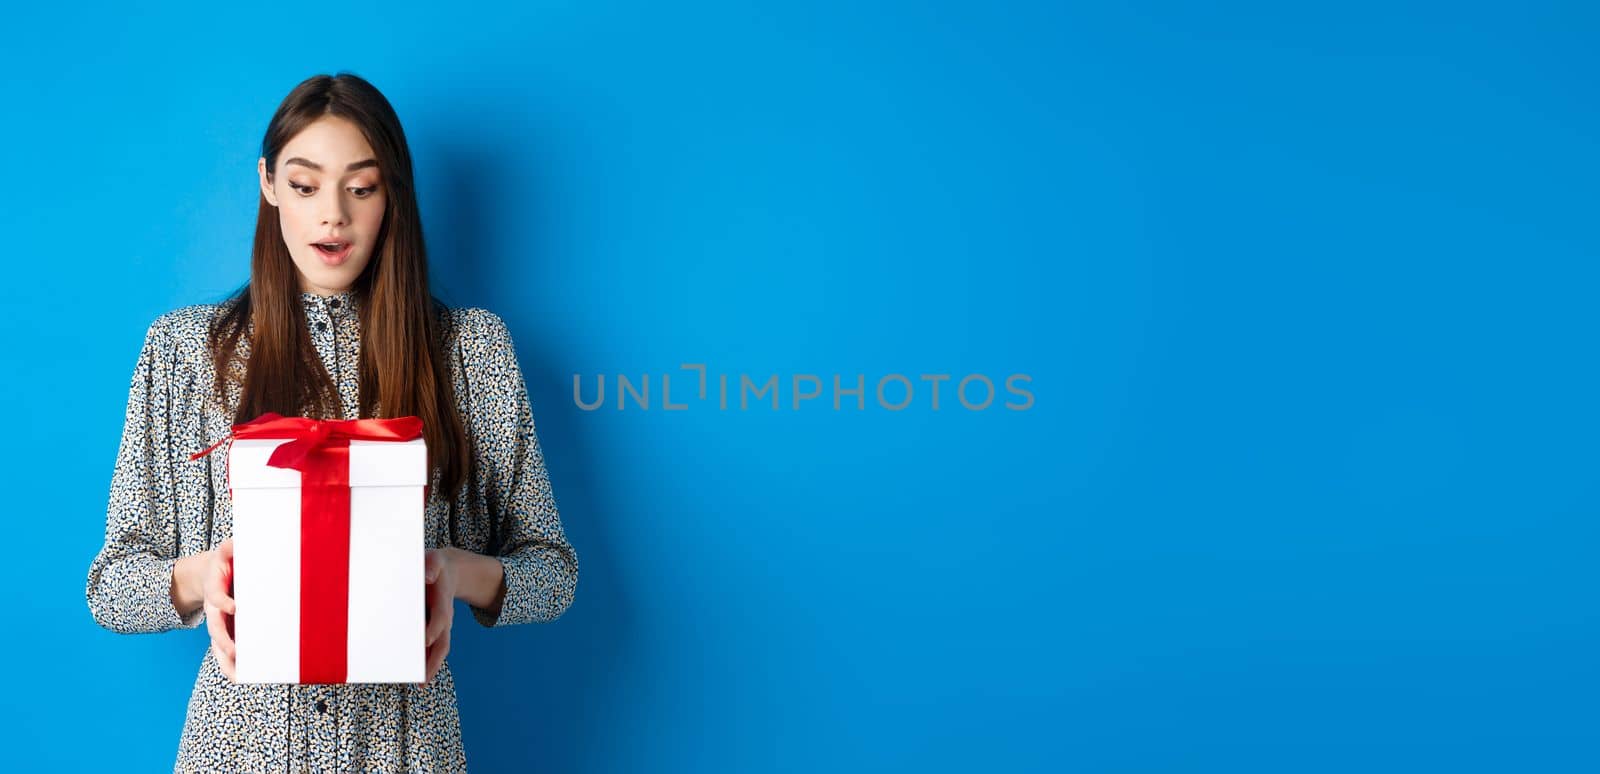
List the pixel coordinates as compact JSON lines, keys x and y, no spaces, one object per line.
{"x":439,"y":573}
{"x":217,"y":580}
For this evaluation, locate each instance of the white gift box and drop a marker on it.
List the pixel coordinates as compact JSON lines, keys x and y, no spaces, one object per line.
{"x":386,"y":592}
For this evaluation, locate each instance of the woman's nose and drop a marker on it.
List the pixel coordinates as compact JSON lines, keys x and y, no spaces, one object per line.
{"x":334,"y":212}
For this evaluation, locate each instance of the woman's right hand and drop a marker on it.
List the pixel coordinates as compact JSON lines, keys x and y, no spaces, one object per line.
{"x":217,"y":582}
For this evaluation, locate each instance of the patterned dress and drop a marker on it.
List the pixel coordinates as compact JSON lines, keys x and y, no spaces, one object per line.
{"x":163,"y":506}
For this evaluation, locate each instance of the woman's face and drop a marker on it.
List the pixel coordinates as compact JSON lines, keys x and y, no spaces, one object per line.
{"x":330,"y":199}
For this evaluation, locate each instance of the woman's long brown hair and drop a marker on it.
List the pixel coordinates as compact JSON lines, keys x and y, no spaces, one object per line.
{"x":403,"y":368}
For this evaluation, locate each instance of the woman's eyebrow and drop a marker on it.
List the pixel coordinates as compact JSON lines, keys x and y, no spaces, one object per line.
{"x":353,"y":166}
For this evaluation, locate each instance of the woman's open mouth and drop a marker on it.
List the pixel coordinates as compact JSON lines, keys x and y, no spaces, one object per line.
{"x":333,"y":253}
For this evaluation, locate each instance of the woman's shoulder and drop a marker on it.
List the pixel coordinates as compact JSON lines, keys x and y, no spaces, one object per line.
{"x":184,"y":329}
{"x":176,"y":349}
{"x":187,"y":326}
{"x":473,"y":329}
{"x":188,"y":320}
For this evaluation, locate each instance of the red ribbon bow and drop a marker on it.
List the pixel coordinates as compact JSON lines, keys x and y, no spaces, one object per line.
{"x":308,"y":434}
{"x":320,"y":450}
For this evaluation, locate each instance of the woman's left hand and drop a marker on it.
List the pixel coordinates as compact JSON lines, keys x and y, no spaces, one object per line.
{"x":440,"y":575}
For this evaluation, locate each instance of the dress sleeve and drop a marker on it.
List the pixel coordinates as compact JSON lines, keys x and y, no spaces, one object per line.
{"x":541,"y":567}
{"x":130,"y":580}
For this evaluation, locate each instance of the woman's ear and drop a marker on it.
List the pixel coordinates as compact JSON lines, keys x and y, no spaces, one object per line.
{"x":266,"y":183}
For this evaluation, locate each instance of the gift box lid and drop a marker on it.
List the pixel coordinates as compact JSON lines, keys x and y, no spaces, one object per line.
{"x":372,"y":463}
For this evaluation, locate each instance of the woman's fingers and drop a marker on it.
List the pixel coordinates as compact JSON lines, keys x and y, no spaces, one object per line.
{"x":214,"y":586}
{"x":218,"y":628}
{"x":221,"y":644}
{"x":219,"y":608}
{"x":440,"y":600}
{"x":216,"y":623}
{"x":225,"y":579}
{"x":436,"y":654}
{"x":214,"y":626}
{"x":220,"y":578}
{"x":219,"y":599}
{"x":440,"y":614}
{"x":225,"y":663}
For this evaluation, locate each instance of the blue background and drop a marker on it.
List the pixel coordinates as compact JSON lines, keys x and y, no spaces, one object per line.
{"x":1307,"y":297}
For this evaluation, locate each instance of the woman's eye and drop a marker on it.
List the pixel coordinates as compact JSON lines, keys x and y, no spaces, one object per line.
{"x":303,"y":190}
{"x":362,"y":193}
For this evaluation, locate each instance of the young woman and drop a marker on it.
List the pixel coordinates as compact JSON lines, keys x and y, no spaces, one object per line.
{"x":336,"y":322}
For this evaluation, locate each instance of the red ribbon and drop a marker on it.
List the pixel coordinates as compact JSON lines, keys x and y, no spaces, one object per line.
{"x":320,"y":450}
